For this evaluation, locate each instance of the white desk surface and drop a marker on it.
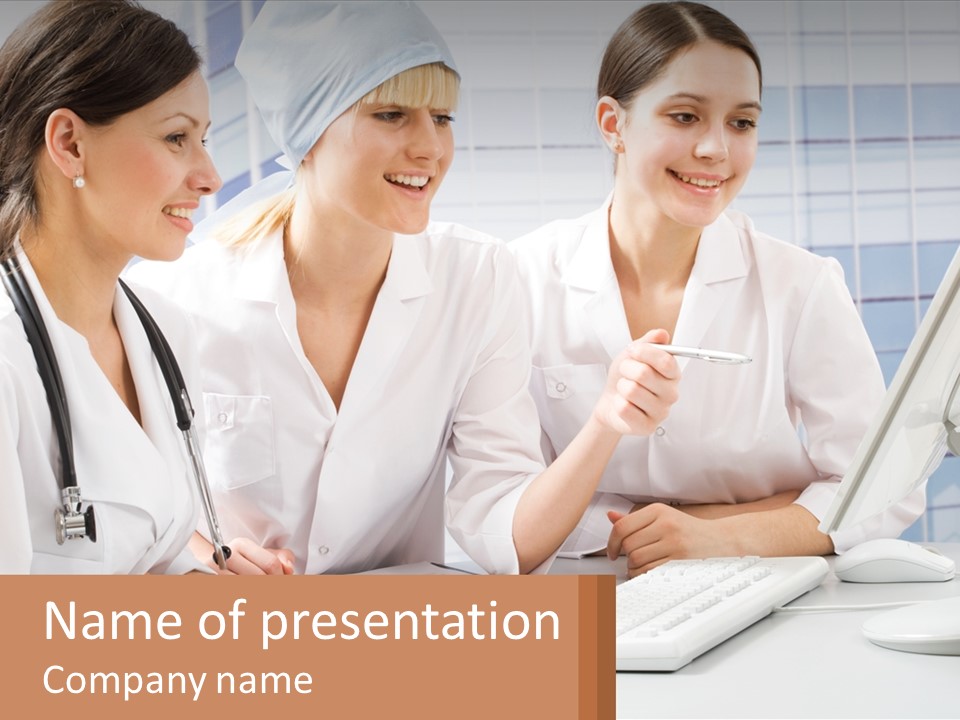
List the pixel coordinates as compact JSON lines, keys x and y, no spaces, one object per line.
{"x":808,"y":665}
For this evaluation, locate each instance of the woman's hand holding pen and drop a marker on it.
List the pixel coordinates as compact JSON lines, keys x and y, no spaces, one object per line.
{"x":246,"y":558}
{"x":642,"y":384}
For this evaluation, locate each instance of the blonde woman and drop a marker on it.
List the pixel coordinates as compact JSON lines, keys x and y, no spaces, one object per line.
{"x":350,"y":348}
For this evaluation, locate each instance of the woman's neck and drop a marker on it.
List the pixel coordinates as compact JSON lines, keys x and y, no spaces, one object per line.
{"x":332,"y":260}
{"x":648,"y":249}
{"x":77,"y":277}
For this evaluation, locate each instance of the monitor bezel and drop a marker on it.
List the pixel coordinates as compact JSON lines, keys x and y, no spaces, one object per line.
{"x":853,"y":488}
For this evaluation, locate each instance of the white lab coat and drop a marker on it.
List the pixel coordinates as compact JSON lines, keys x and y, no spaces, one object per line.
{"x":732,"y":436}
{"x":442,"y":370}
{"x":136,"y":478}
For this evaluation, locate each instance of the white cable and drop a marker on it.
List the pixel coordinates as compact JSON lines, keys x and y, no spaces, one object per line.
{"x":842,"y":608}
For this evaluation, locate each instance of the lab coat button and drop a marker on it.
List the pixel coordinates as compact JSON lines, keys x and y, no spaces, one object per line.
{"x":222,"y":417}
{"x":323,"y":549}
{"x":561,"y":387}
{"x":661,"y":432}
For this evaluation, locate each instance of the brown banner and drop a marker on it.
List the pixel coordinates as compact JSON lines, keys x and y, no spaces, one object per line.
{"x":338,"y":647}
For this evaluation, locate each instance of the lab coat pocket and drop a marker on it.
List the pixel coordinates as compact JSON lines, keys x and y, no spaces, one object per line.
{"x":239,"y":447}
{"x":65,"y":564}
{"x":565,"y":397}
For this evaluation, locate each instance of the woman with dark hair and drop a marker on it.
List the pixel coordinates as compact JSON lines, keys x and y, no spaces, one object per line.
{"x":728,"y":472}
{"x":102,"y":118}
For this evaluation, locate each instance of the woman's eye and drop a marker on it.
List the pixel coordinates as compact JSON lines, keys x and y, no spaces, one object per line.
{"x":684,"y":118}
{"x":744,"y":123}
{"x":177,"y":139}
{"x":443,"y":120}
{"x":389,"y":115}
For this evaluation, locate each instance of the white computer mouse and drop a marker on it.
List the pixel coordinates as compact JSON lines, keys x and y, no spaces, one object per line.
{"x":886,"y":560}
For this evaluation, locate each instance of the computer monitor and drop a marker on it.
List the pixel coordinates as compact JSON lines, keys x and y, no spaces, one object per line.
{"x":917,"y":421}
{"x":903,"y":446}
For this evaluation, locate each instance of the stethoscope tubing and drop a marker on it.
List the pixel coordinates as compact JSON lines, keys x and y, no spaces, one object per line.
{"x":36,"y":331}
{"x":184,"y":412}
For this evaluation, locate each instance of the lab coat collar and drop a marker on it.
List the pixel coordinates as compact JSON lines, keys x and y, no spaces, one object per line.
{"x":719,"y":254}
{"x":407,"y":271}
{"x":263,"y":273}
{"x":590,"y":267}
{"x":718,"y":273}
{"x":590,"y":274}
{"x":718,"y":263}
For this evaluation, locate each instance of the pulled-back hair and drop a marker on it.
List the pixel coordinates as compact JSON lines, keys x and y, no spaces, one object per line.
{"x":651,"y":37}
{"x":99,"y":58}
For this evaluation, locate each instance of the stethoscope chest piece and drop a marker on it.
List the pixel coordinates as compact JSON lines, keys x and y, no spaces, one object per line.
{"x":72,"y":521}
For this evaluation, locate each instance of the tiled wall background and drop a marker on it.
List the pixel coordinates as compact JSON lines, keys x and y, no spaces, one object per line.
{"x":859,"y":156}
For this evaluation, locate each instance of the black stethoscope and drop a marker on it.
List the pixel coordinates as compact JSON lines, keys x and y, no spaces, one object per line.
{"x":72,"y":520}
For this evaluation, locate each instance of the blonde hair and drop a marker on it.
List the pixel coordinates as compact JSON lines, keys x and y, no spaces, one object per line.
{"x":432,"y":86}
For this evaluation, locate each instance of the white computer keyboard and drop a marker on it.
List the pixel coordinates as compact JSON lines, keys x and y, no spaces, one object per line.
{"x":675,"y":612}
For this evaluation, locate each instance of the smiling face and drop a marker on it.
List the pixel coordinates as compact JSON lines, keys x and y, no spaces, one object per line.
{"x":146,"y":172}
{"x":689,"y":138}
{"x":378,"y":167}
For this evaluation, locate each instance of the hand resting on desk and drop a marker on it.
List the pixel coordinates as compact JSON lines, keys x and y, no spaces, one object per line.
{"x":653,"y":534}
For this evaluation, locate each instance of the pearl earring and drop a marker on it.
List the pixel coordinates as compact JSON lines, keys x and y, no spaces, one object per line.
{"x":78,"y":181}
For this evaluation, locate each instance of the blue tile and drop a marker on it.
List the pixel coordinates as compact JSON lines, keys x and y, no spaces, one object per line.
{"x":936,"y":163}
{"x":889,"y":363}
{"x":824,"y":168}
{"x":886,"y":271}
{"x":880,"y":112}
{"x":825,"y":220}
{"x":933,"y":260}
{"x":843,"y":255}
{"x":884,"y":217}
{"x":935,"y":111}
{"x":889,"y":323}
{"x":822,"y":113}
{"x":938,"y":215}
{"x":883,"y":166}
{"x":775,"y":120}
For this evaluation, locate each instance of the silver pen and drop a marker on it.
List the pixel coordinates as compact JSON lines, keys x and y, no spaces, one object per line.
{"x":714,"y":356}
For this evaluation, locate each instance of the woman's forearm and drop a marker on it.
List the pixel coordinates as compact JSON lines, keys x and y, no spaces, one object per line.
{"x":788,"y":530}
{"x":553,"y":503}
{"x":714,"y":511}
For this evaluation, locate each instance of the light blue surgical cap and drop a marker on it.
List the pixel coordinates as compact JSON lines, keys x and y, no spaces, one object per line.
{"x":306,"y":63}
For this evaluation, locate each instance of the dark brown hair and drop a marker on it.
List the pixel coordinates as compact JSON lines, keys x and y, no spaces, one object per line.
{"x":99,"y":58}
{"x":651,"y":37}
